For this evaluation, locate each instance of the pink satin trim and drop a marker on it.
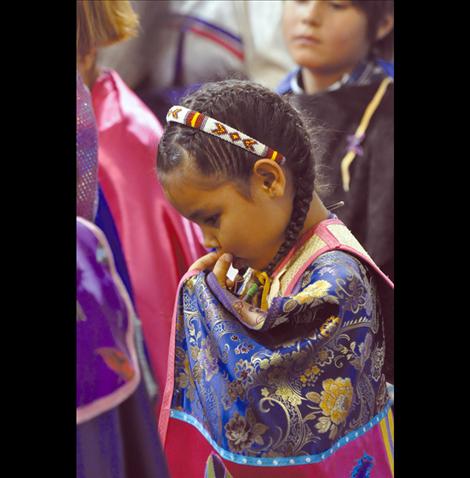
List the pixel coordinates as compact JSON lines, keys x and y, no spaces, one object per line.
{"x":170,"y":375}
{"x":321,"y":230}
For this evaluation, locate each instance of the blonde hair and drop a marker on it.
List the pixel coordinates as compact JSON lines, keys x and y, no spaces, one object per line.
{"x":104,"y":22}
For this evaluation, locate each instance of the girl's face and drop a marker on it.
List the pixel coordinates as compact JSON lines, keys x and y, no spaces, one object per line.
{"x":325,"y":36}
{"x":252,"y":230}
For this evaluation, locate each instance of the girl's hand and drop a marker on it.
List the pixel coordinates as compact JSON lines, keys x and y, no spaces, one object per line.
{"x":221,"y":268}
{"x":219,"y":263}
{"x":205,"y":262}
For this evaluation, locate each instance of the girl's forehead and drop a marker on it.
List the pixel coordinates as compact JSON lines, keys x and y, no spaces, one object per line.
{"x":188,"y":177}
{"x":190,"y":190}
{"x":186,"y":183}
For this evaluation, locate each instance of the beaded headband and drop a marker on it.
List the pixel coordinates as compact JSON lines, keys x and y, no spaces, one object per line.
{"x":193,"y":119}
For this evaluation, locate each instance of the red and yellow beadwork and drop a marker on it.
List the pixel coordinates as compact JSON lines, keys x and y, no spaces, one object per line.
{"x":194,"y":119}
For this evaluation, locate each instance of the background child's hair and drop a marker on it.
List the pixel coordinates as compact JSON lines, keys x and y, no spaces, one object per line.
{"x":259,"y":113}
{"x":376,"y":11}
{"x":104,"y":22}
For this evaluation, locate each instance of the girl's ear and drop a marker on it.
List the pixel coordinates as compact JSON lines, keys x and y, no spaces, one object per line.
{"x":385,"y":27}
{"x":269,"y":177}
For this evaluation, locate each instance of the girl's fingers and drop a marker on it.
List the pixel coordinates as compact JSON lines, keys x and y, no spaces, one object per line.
{"x":221,"y":268}
{"x":205,"y":262}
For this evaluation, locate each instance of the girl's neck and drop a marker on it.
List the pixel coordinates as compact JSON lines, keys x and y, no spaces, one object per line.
{"x":317,"y":213}
{"x":314,"y":82}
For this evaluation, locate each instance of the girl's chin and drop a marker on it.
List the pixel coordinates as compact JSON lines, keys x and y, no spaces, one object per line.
{"x":239,"y":263}
{"x":243,"y":264}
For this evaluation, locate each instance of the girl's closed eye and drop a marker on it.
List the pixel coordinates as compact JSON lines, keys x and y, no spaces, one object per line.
{"x":340,"y":5}
{"x":212,"y":221}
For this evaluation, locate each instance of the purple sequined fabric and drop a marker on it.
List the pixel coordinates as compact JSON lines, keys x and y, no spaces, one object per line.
{"x":87,"y":154}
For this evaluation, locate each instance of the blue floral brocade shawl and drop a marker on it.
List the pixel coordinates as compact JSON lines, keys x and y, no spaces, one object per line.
{"x":298,"y":386}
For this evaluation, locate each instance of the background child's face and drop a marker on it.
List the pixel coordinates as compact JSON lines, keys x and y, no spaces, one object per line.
{"x":251,"y":230}
{"x":324,"y":35}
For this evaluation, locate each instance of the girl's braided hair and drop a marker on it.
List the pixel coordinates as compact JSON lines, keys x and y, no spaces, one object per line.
{"x":259,"y":113}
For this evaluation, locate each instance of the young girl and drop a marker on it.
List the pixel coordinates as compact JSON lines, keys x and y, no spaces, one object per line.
{"x":278,"y":371}
{"x":337,"y":43}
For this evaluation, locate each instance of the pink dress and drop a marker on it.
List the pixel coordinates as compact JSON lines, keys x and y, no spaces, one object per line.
{"x":159,"y":245}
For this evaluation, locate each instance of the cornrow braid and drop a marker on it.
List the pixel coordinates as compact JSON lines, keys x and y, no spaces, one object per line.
{"x":304,"y":185}
{"x":259,"y":113}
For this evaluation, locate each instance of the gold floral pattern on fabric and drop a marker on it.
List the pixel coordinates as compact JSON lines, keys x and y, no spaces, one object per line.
{"x":310,"y":375}
{"x":184,"y":379}
{"x":288,"y":394}
{"x":243,"y":348}
{"x":242,"y":432}
{"x":324,"y":356}
{"x":378,"y":358}
{"x":244,"y":372}
{"x":332,"y":405}
{"x":317,"y":290}
{"x":329,"y":326}
{"x":207,"y":359}
{"x":336,"y":399}
{"x":382,"y":394}
{"x":313,"y":295}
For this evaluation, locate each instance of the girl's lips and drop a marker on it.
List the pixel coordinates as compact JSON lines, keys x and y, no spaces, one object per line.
{"x":307,"y":39}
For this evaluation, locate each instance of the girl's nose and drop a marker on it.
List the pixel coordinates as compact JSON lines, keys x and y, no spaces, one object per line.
{"x":312,"y":13}
{"x":209,"y":241}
